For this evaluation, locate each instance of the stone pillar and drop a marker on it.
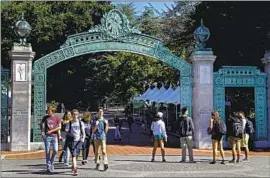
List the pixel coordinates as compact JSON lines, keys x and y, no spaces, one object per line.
{"x":266,"y":62}
{"x":203,"y":93}
{"x":21,"y":70}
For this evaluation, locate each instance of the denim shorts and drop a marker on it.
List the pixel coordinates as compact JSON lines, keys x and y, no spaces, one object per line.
{"x":158,"y":137}
{"x":75,"y":148}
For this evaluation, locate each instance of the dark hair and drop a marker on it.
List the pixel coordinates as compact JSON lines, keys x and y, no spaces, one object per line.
{"x":183,"y":110}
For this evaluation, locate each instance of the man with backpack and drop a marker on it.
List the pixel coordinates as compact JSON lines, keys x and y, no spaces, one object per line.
{"x":248,"y":129}
{"x":75,"y":137}
{"x":99,"y":134}
{"x":185,"y":127}
{"x":237,"y":135}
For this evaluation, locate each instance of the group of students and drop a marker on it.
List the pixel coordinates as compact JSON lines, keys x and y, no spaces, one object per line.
{"x":76,"y":135}
{"x":239,"y":129}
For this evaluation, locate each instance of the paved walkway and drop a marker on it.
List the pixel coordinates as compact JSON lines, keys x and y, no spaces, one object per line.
{"x":131,"y":158}
{"x":140,"y":166}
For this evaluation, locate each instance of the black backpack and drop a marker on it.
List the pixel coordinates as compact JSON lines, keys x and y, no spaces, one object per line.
{"x":249,"y":127}
{"x":221,"y":127}
{"x":238,"y":130}
{"x":80,"y":127}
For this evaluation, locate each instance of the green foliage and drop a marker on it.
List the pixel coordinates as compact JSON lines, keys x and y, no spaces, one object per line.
{"x":51,"y":21}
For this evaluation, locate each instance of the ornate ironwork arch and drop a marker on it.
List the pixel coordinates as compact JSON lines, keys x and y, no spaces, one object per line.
{"x":113,"y":34}
{"x":243,"y":76}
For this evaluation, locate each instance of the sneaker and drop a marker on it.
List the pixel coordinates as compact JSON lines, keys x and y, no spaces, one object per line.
{"x":97,"y":167}
{"x":49,"y":168}
{"x":232,"y":161}
{"x":67,"y":165}
{"x":222,"y":162}
{"x":106,"y":167}
{"x":83,"y":162}
{"x":152,"y":160}
{"x":52,"y":168}
{"x":182,"y":161}
{"x":213,"y":162}
{"x":164,"y":160}
{"x":75,"y":171}
{"x":245,"y":160}
{"x":238,"y":161}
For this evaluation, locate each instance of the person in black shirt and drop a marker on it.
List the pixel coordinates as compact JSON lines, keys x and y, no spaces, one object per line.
{"x":87,"y":120}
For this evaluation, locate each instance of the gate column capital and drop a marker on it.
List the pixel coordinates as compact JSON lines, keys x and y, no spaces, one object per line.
{"x":203,"y":56}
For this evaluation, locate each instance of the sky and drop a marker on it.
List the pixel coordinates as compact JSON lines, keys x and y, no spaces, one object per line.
{"x":140,"y":5}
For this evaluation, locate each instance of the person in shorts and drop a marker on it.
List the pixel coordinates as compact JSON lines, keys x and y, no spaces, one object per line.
{"x":159,"y":135}
{"x":245,"y":138}
{"x":216,"y":137}
{"x":75,"y":137}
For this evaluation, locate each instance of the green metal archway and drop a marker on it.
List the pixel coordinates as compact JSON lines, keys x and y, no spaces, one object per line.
{"x":113,"y":34}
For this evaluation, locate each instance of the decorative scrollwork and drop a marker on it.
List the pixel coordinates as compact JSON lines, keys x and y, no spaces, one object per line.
{"x":115,"y":24}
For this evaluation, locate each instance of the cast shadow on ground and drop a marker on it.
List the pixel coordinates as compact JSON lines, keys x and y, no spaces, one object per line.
{"x":159,"y":161}
{"x":38,"y":172}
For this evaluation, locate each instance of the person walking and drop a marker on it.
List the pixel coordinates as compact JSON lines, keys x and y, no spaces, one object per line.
{"x":130,"y":122}
{"x":117,"y":134}
{"x":159,"y":135}
{"x":215,"y":131}
{"x":75,"y":137}
{"x":186,"y":128}
{"x":99,"y":134}
{"x":237,"y":136}
{"x":50,"y":126}
{"x":87,"y":120}
{"x":65,"y":150}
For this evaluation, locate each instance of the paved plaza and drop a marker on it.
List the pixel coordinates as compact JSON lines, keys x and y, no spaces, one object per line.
{"x":140,"y":166}
{"x":131,"y":158}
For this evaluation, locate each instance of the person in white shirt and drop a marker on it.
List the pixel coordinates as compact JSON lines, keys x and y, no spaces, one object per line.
{"x":159,"y":135}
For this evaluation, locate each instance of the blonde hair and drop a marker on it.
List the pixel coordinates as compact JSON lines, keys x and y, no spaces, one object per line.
{"x":215,"y":115}
{"x":51,"y":108}
{"x":87,"y":116}
{"x":65,"y":118}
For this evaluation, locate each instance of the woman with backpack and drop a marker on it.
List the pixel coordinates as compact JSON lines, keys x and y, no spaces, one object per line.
{"x":75,"y":138}
{"x":65,"y":151}
{"x":160,"y":135}
{"x":217,"y":135}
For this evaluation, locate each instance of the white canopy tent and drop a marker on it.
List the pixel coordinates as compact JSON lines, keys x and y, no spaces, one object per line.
{"x":161,"y":95}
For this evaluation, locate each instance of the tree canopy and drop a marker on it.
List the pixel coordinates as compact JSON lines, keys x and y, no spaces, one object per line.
{"x":239,"y":36}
